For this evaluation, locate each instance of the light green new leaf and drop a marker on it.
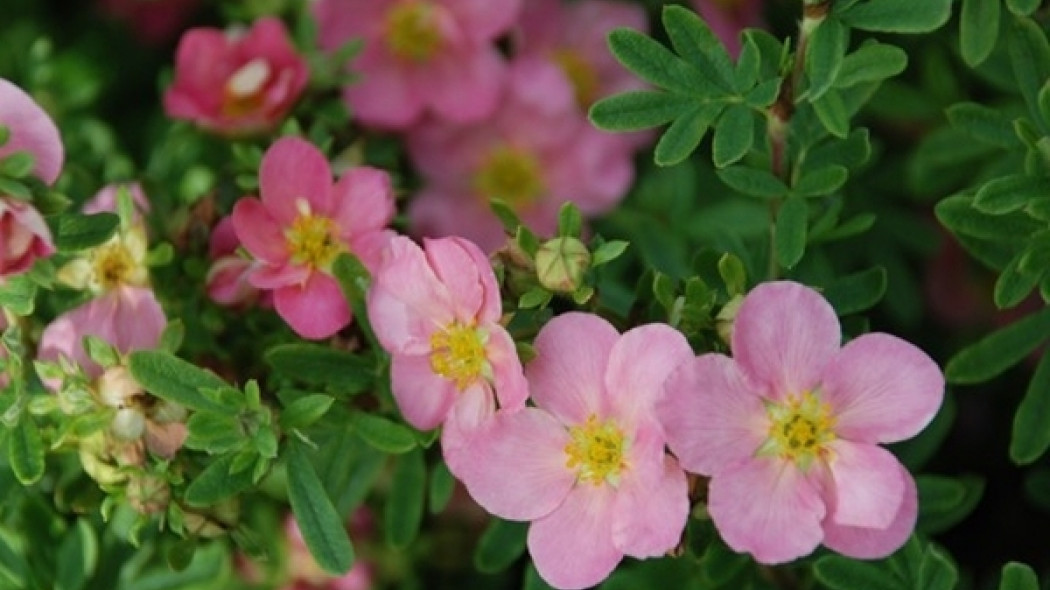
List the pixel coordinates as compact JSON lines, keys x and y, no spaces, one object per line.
{"x":640,"y":109}
{"x":1018,"y":576}
{"x":978,"y":30}
{"x":871,"y":62}
{"x":1031,"y":437}
{"x":17,"y":294}
{"x":896,"y":16}
{"x":656,"y":64}
{"x":25,"y":451}
{"x":734,"y":135}
{"x":698,"y":45}
{"x":791,"y":225}
{"x":321,"y":526}
{"x":824,"y":56}
{"x":684,"y":134}
{"x":999,"y":350}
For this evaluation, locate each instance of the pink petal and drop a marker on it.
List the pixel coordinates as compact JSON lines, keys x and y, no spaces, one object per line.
{"x":509,"y":378}
{"x":572,"y":547}
{"x":383,"y":96}
{"x":866,"y":543}
{"x":138,"y":319}
{"x":371,"y":247}
{"x":32,"y":130}
{"x":259,"y":232}
{"x":712,"y":416}
{"x":784,"y":335}
{"x":882,"y":389}
{"x":652,"y":502}
{"x":406,"y":301}
{"x":293,"y":169}
{"x":768,"y":508}
{"x":639,"y":364}
{"x":423,"y":396}
{"x":516,"y":469}
{"x":362,"y":201}
{"x":265,"y":276}
{"x":484,"y":19}
{"x":433,"y":213}
{"x":867,"y":484}
{"x":465,"y":87}
{"x":315,"y":310}
{"x":568,"y":373}
{"x":456,"y":266}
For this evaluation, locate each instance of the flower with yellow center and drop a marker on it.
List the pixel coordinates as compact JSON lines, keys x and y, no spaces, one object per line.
{"x":597,"y":451}
{"x":457,"y":353}
{"x":799,"y":430}
{"x":412,"y":32}
{"x":312,"y":239}
{"x":244,"y":90}
{"x":581,"y":74}
{"x":511,"y":174}
{"x":121,"y":261}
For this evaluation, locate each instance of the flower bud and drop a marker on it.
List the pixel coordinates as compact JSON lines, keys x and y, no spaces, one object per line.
{"x":148,"y":494}
{"x":561,"y":263}
{"x":116,"y":387}
{"x":128,"y":424}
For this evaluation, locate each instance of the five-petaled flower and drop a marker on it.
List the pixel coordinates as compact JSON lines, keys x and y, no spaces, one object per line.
{"x":788,"y":429}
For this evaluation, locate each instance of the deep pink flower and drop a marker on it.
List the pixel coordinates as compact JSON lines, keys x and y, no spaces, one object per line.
{"x":32,"y":130}
{"x":536,"y":153}
{"x":728,"y":17}
{"x":788,"y":429}
{"x":236,"y":83}
{"x":587,"y":464}
{"x":24,"y":237}
{"x":302,"y":223}
{"x":419,"y":56}
{"x":227,"y":280}
{"x":437,"y":311}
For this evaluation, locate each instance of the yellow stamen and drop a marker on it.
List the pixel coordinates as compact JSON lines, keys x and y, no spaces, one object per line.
{"x":511,"y":174}
{"x":800,"y":429}
{"x":582,"y":75}
{"x":457,"y":353}
{"x":597,"y":450}
{"x":312,"y":239}
{"x":412,"y":32}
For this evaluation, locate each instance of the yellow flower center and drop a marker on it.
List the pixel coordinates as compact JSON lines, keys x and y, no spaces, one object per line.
{"x":412,"y":32}
{"x":596,"y":450}
{"x":312,"y":240}
{"x":510,"y":174}
{"x":457,"y":353}
{"x":113,"y":266}
{"x":243,"y":93}
{"x":582,"y":75}
{"x":799,"y":429}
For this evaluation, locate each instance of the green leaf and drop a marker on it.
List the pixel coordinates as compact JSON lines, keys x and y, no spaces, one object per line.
{"x":734,"y":135}
{"x":1023,"y":7}
{"x":175,"y":380}
{"x":824,"y":56}
{"x":1030,"y":58}
{"x":13,"y":568}
{"x":871,"y":62}
{"x":640,"y":109}
{"x":15,"y":189}
{"x":698,"y":45}
{"x":18,"y":294}
{"x":752,"y":181}
{"x":1031,"y":437}
{"x":999,"y":350}
{"x":17,"y":165}
{"x":1009,"y":193}
{"x":25,"y":451}
{"x":656,"y":64}
{"x":1018,"y":576}
{"x":936,"y":571}
{"x":608,"y":252}
{"x":502,"y":543}
{"x":842,"y":573}
{"x":77,"y":557}
{"x":321,"y":526}
{"x":984,"y":123}
{"x":959,"y":215}
{"x":1014,"y":284}
{"x":354,"y":280}
{"x":305,"y":410}
{"x":442,"y":484}
{"x":856,"y":292}
{"x":404,"y":507}
{"x":791,"y":226}
{"x":822,"y":182}
{"x":897,"y":16}
{"x":832,"y":113}
{"x":383,"y":434}
{"x":323,"y":366}
{"x":685,"y":133}
{"x":215,"y":433}
{"x":945,"y":501}
{"x":217,"y":482}
{"x":76,"y":231}
{"x":733,"y":274}
{"x":978,"y":30}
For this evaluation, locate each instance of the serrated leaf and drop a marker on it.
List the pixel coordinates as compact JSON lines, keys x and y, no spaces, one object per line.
{"x":76,"y":231}
{"x":1030,"y":59}
{"x":404,"y":507}
{"x":697,"y":44}
{"x":824,"y":56}
{"x":1023,"y":7}
{"x":832,"y":113}
{"x":978,"y":30}
{"x":752,"y":181}
{"x":734,"y":135}
{"x":1030,"y":437}
{"x":945,"y":501}
{"x":871,"y":62}
{"x":856,"y":292}
{"x":502,"y":543}
{"x":1009,"y":193}
{"x":323,"y":366}
{"x":321,"y":526}
{"x":175,"y":380}
{"x":791,"y":226}
{"x":842,"y":573}
{"x":656,"y":64}
{"x":684,"y":134}
{"x":1018,"y":576}
{"x":640,"y":109}
{"x":305,"y":411}
{"x":386,"y":435}
{"x":217,"y":483}
{"x":25,"y":451}
{"x":999,"y":350}
{"x":896,"y":16}
{"x":984,"y":123}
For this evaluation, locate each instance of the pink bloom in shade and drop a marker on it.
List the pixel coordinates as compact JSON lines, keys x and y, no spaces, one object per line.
{"x":728,"y":17}
{"x":105,"y":200}
{"x":152,"y":21}
{"x":535,"y":153}
{"x":236,"y":83}
{"x":587,"y":463}
{"x":129,"y":318}
{"x":302,"y":223}
{"x":227,"y":280}
{"x":32,"y":130}
{"x":789,"y":429}
{"x":436,"y":310}
{"x":420,"y":56}
{"x":24,"y":237}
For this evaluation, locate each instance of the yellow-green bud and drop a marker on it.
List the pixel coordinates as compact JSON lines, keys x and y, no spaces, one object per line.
{"x":724,"y":319}
{"x":561,"y":263}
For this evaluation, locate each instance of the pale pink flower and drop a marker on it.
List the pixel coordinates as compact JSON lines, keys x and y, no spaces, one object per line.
{"x":788,"y":429}
{"x":24,"y":237}
{"x":728,"y":17}
{"x":236,"y":83}
{"x":535,"y":153}
{"x":227,"y":279}
{"x":437,"y":312}
{"x":302,"y":223}
{"x":105,"y":200}
{"x":587,"y":463}
{"x":32,"y":130}
{"x":420,"y":56}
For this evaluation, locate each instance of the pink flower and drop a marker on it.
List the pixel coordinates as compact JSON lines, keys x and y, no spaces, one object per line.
{"x":437,"y":313}
{"x":535,"y":153}
{"x":728,"y":17}
{"x":236,"y":83}
{"x":227,"y":280}
{"x":587,"y":464}
{"x":24,"y":237}
{"x":32,"y":130}
{"x":302,"y":223}
{"x":105,"y":200}
{"x":788,"y":429}
{"x":419,"y":56}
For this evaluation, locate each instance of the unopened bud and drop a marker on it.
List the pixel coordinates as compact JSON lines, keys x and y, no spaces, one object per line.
{"x":148,"y":494}
{"x":128,"y":424}
{"x":561,"y":263}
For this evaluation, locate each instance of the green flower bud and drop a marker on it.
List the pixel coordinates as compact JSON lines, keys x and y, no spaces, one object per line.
{"x":561,"y":264}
